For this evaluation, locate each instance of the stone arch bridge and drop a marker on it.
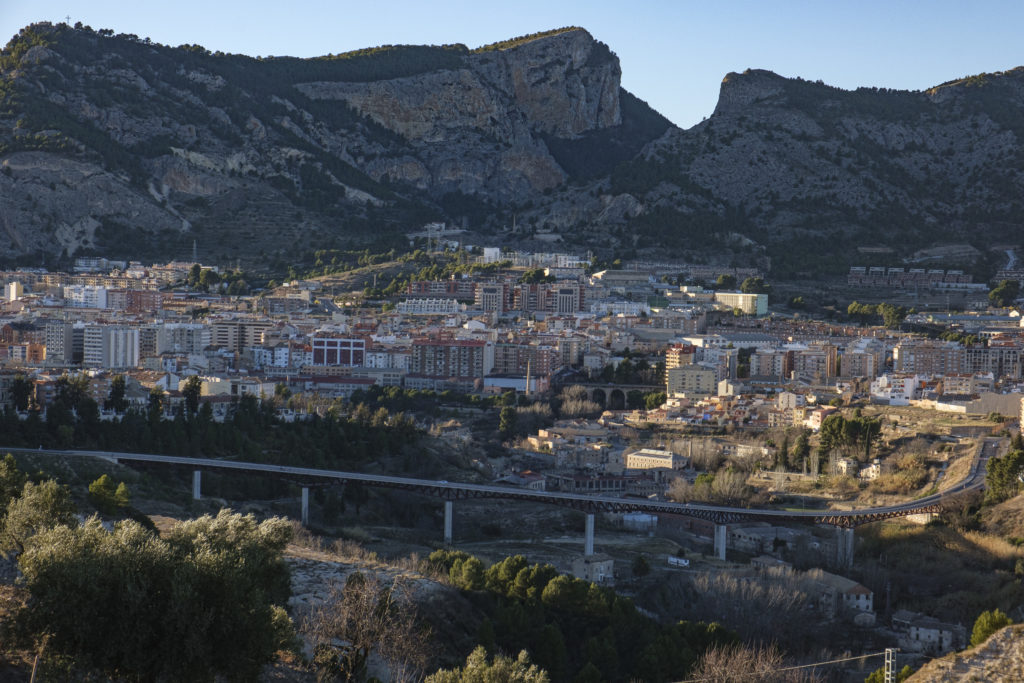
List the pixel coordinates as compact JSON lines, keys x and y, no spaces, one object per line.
{"x":614,"y":396}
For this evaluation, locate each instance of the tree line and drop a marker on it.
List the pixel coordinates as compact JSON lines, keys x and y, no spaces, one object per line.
{"x":250,"y":431}
{"x":574,"y":629}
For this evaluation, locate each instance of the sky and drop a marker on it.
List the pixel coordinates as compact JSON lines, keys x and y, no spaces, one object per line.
{"x":674,"y":53}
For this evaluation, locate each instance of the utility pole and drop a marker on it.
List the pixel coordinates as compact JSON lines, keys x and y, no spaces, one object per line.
{"x":890,"y":665}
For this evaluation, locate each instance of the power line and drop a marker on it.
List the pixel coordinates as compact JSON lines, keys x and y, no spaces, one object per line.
{"x":788,"y":668}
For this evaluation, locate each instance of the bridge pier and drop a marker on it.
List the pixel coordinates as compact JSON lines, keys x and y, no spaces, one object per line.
{"x":588,"y":535}
{"x":720,"y":539}
{"x":197,"y":481}
{"x":304,"y":515}
{"x":844,"y":547}
{"x":448,"y":510}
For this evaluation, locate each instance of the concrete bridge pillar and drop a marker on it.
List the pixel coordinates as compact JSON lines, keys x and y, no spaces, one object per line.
{"x":844,"y":547}
{"x":304,"y":516}
{"x":197,"y":481}
{"x":448,"y":510}
{"x":720,"y":539}
{"x":588,"y":535}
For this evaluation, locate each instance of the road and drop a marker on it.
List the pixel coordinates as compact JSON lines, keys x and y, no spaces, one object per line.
{"x":974,"y":481}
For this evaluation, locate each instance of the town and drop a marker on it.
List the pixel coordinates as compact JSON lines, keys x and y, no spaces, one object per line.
{"x":670,"y":382}
{"x":535,"y":343}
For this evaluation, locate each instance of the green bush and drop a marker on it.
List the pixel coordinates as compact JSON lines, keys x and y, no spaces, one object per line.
{"x":107,"y":498}
{"x":986,"y":624}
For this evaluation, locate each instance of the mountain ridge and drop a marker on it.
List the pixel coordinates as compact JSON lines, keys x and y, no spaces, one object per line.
{"x":112,"y":143}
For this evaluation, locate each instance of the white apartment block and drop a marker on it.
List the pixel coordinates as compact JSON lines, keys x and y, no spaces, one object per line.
{"x":110,"y":347}
{"x":387,"y":359}
{"x":429,"y":306}
{"x":650,"y":458}
{"x":751,"y":304}
{"x":896,"y":389}
{"x":13,"y":291}
{"x":629,"y":308}
{"x":281,"y":355}
{"x":85,"y":296}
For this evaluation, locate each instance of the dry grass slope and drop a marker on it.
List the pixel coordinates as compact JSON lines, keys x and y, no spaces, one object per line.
{"x":1000,"y":659}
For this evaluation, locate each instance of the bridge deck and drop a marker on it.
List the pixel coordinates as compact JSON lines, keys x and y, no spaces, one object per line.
{"x":453,"y":491}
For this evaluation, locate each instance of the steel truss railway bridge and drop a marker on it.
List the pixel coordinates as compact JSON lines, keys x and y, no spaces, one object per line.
{"x":845,"y":521}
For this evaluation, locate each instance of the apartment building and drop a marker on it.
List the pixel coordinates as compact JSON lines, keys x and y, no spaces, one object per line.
{"x":691,"y":380}
{"x":1002,"y":358}
{"x":512,"y":358}
{"x":332,"y":349}
{"x":182,"y":338}
{"x":237,"y":334}
{"x":751,"y":304}
{"x":816,"y":362}
{"x":85,"y":296}
{"x":134,"y":301}
{"x":110,"y":346}
{"x":865,"y":357}
{"x":651,"y":458}
{"x":387,"y":358}
{"x":562,"y":298}
{"x":448,"y":289}
{"x":897,"y":389}
{"x":429,"y":306}
{"x":60,"y":343}
{"x":771,"y":363}
{"x":491,"y":296}
{"x":678,"y":355}
{"x":436,"y":360}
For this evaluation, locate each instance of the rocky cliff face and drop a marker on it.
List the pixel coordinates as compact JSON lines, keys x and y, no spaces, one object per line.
{"x":111,"y":144}
{"x":492,"y":109}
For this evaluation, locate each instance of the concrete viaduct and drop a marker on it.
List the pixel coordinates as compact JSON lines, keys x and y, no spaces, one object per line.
{"x":845,"y":521}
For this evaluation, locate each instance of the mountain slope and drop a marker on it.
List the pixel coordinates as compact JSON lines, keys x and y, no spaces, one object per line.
{"x":110,"y":144}
{"x":113,"y":138}
{"x":810,"y":169}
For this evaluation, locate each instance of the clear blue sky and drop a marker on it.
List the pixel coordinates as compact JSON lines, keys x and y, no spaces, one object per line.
{"x":673,"y":53}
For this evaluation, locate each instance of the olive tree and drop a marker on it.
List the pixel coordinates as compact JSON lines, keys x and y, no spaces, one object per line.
{"x":38,"y":508}
{"x":12,"y":480}
{"x":203,"y":603}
